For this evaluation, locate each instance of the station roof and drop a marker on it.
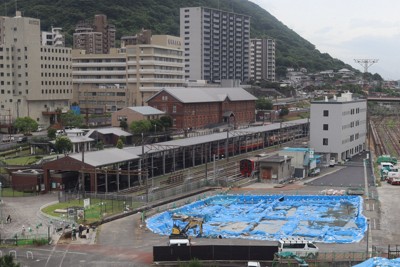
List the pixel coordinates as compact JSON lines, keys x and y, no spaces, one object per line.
{"x":104,"y":157}
{"x":115,"y":155}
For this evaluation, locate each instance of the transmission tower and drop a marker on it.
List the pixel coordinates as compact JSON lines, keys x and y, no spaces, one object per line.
{"x":366,"y":63}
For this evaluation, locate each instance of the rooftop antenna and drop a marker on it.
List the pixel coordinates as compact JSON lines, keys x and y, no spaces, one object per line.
{"x":365,"y":63}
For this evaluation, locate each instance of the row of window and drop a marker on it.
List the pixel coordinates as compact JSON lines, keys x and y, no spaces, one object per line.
{"x":56,"y":91}
{"x":52,"y":66}
{"x":64,"y":59}
{"x":56,"y":82}
{"x":13,"y":83}
{"x":55,"y":50}
{"x":351,"y":138}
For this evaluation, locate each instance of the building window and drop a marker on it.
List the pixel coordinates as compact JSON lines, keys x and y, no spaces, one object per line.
{"x":325,"y":141}
{"x":326,"y":113}
{"x":174,"y":109}
{"x":325,"y":127}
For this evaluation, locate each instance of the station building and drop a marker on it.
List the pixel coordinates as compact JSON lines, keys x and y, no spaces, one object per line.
{"x":114,"y":170}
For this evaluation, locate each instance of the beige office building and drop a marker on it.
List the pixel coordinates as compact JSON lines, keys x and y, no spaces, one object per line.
{"x":35,"y":80}
{"x":128,"y":76}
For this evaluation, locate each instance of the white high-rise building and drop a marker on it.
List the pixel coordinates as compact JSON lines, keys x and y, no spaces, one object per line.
{"x":216,"y":44}
{"x":53,"y":38}
{"x":35,"y":80}
{"x":338,"y":126}
{"x":262,"y":59}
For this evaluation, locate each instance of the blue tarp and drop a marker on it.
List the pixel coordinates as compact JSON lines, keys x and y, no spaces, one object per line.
{"x":329,"y":219}
{"x":381,"y":262}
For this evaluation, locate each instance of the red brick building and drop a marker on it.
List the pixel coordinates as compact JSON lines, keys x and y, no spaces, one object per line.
{"x":206,"y":106}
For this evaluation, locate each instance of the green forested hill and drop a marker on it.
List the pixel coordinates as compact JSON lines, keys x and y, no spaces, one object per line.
{"x":162,"y":17}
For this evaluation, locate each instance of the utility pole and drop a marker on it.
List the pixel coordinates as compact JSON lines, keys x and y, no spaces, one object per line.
{"x":144,"y":170}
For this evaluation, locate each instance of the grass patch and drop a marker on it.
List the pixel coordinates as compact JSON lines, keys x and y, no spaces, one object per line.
{"x":28,"y":160}
{"x":99,"y":208}
{"x":9,"y":192}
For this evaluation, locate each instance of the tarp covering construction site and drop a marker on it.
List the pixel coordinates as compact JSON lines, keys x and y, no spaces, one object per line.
{"x":328,"y":219}
{"x":380,"y":262}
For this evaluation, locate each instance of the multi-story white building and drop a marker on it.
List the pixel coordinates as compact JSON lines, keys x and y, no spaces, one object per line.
{"x":53,"y":38}
{"x":127,"y":76}
{"x":262,"y":59}
{"x":35,"y":80}
{"x":216,"y":44}
{"x":338,"y":126}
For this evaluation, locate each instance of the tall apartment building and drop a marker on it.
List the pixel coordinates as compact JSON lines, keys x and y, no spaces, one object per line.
{"x":35,"y":80}
{"x":338,"y":126}
{"x":53,"y":38}
{"x":96,"y":37}
{"x":262,"y":59}
{"x":216,"y":44}
{"x":127,"y":76}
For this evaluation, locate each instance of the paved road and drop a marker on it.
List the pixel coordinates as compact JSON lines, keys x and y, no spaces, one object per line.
{"x":24,"y":212}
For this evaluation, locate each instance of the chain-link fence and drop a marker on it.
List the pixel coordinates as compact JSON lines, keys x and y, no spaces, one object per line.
{"x":28,"y":238}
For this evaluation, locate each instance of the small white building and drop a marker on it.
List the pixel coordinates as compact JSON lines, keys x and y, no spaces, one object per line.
{"x":338,"y":127}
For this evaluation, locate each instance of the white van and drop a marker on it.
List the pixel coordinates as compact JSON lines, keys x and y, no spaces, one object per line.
{"x":253,"y":264}
{"x":179,"y":242}
{"x":299,"y":246}
{"x":386,"y":166}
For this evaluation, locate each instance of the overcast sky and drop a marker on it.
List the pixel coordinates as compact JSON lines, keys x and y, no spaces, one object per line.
{"x":346,"y":29}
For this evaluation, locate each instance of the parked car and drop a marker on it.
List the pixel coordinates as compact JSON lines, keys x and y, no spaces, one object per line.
{"x":22,"y":139}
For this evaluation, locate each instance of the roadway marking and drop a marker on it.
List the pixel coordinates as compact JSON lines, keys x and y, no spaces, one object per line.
{"x":63,"y":257}
{"x":51,"y":254}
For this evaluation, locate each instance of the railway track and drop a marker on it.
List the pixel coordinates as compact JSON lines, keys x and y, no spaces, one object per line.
{"x":226,"y":168}
{"x":385,"y":137}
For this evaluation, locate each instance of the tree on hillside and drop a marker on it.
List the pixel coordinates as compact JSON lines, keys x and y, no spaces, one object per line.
{"x":25,"y":125}
{"x":71,"y":119}
{"x":63,"y":144}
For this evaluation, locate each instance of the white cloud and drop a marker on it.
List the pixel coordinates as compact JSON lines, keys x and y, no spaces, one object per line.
{"x":346,"y":29}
